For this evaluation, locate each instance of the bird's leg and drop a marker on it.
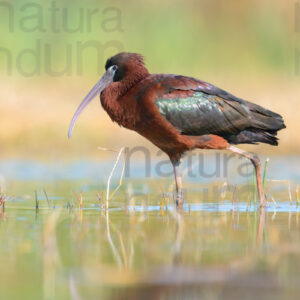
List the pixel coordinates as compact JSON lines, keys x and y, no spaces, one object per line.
{"x":178,"y":182}
{"x":256,"y":162}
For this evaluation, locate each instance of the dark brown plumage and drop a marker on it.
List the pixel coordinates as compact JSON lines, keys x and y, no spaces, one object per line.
{"x":179,"y":113}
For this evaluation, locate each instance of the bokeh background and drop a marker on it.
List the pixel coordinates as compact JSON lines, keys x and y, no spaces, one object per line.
{"x":58,"y":241}
{"x":52,"y":52}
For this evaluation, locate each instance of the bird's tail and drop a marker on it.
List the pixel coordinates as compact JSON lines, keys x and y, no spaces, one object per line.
{"x":264,"y":127}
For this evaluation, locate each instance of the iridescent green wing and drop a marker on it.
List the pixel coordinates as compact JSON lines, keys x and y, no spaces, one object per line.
{"x":199,"y":113}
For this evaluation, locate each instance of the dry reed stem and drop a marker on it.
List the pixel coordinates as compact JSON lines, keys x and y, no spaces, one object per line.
{"x":289,"y":187}
{"x":120,"y":181}
{"x":2,"y":199}
{"x":36,"y":200}
{"x":111,"y":174}
{"x":162,"y":204}
{"x":79,"y":199}
{"x":100,"y":200}
{"x":46,"y":195}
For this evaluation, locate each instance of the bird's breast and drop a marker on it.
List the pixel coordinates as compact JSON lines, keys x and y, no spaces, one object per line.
{"x":121,"y":111}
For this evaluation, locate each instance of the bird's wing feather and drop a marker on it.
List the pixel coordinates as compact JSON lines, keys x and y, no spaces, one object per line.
{"x":195,"y":107}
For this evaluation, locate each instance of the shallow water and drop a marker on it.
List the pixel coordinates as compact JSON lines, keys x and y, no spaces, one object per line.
{"x":220,"y":246}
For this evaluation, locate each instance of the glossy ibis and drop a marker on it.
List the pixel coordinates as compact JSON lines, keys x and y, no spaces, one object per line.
{"x":178,"y":113}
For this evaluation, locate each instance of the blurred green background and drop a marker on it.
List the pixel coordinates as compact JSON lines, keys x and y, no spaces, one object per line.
{"x":52,"y":52}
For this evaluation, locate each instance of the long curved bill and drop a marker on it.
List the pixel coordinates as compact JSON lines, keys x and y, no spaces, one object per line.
{"x":105,"y":80}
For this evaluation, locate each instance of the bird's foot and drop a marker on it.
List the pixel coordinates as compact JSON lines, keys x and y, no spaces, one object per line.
{"x":179,"y":199}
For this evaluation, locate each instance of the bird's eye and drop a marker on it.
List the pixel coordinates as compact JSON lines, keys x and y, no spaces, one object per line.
{"x":114,"y":68}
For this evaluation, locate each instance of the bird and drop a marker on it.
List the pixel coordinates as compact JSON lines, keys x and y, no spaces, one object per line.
{"x":180,"y":113}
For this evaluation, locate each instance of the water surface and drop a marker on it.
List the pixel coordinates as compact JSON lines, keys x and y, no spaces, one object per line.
{"x":220,"y":246}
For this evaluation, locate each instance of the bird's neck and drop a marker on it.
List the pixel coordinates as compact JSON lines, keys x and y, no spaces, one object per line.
{"x":131,"y":80}
{"x":113,"y":98}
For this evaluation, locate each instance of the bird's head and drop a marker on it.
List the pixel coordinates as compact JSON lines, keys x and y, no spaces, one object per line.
{"x":128,"y":64}
{"x":124,"y":68}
